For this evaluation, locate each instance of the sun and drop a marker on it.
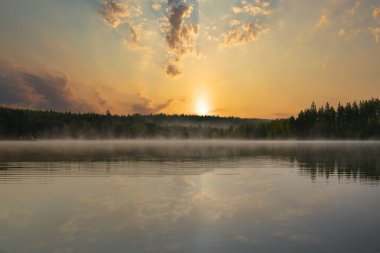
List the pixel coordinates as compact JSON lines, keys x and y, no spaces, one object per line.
{"x":202,"y":106}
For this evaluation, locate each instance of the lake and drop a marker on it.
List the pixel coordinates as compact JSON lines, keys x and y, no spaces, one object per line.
{"x":189,"y":196}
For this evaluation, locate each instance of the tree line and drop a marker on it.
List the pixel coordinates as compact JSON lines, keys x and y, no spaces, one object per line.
{"x":351,"y":121}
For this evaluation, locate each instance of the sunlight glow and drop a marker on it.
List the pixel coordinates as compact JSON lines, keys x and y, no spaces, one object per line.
{"x":202,"y":106}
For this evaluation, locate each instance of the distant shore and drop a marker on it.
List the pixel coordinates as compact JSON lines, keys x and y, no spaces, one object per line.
{"x":354,"y":121}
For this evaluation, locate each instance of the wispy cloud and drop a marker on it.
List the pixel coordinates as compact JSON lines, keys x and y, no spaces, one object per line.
{"x":245,"y":29}
{"x":259,"y":8}
{"x":146,"y":106}
{"x":117,"y":13}
{"x":101,"y":101}
{"x":243,"y":34}
{"x":323,"y":20}
{"x":354,"y":8}
{"x":376,"y":14}
{"x":375,"y":31}
{"x":350,"y":19}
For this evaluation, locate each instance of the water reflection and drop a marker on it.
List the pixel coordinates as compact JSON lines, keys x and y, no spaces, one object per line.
{"x":352,"y":160}
{"x":189,"y":197}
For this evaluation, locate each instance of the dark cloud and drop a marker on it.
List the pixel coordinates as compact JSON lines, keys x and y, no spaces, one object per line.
{"x":172,"y":70}
{"x":114,"y":12}
{"x":180,"y":36}
{"x":180,"y":31}
{"x":179,"y":24}
{"x":134,"y":35}
{"x":145,"y":106}
{"x":14,"y":92}
{"x":45,"y":91}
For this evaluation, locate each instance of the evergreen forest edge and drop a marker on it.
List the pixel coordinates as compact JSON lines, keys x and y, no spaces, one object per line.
{"x":357,"y":120}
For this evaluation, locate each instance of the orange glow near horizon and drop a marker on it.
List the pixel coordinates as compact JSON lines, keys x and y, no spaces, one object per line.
{"x":202,"y":105}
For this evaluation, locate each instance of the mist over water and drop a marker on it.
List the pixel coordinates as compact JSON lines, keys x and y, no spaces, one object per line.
{"x":189,"y":196}
{"x":352,"y":159}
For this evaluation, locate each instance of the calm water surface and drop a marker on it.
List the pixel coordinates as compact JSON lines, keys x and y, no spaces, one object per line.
{"x":188,"y":196}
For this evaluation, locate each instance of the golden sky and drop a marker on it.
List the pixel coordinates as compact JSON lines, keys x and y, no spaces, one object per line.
{"x":248,"y":58}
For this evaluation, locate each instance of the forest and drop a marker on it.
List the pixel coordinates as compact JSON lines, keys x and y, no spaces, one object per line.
{"x":357,"y":120}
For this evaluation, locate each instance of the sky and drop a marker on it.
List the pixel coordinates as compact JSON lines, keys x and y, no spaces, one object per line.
{"x":246,"y":58}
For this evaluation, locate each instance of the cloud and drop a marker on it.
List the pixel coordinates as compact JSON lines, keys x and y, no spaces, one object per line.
{"x":376,"y":14}
{"x":178,"y":25}
{"x":14,"y":92}
{"x":134,"y":38}
{"x":177,"y":21}
{"x":100,"y":100}
{"x":244,"y":239}
{"x":39,"y":91}
{"x":243,"y":34}
{"x":342,"y":32}
{"x":144,"y":106}
{"x":323,"y":20}
{"x":179,"y":37}
{"x":354,"y":8}
{"x":180,"y":32}
{"x":305,"y":238}
{"x":172,"y":70}
{"x":375,"y":31}
{"x":156,"y":6}
{"x":245,"y":29}
{"x":348,"y":34}
{"x":261,"y":8}
{"x":116,"y":13}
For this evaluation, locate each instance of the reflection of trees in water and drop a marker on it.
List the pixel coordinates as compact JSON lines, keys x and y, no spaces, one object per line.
{"x":352,"y":160}
{"x":349,"y":160}
{"x":352,"y":163}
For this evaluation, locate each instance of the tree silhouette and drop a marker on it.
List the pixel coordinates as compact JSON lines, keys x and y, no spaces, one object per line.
{"x":352,"y":121}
